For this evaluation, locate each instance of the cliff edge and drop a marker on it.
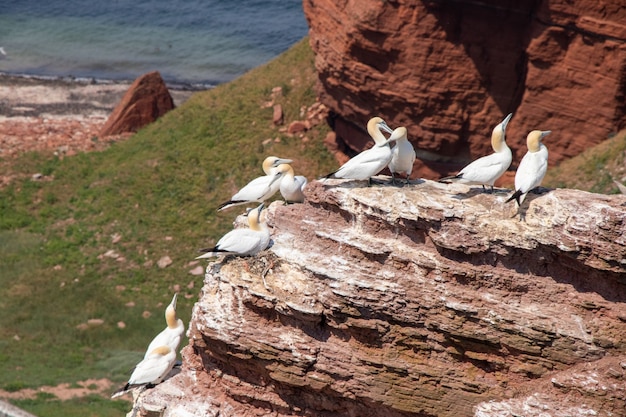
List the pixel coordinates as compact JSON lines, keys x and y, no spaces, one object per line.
{"x":423,"y":300}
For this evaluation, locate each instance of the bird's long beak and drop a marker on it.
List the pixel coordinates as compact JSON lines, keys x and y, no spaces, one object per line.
{"x":545,"y":133}
{"x":174,"y":300}
{"x":385,"y":127}
{"x":506,"y":121}
{"x":276,"y":177}
{"x":282,"y":161}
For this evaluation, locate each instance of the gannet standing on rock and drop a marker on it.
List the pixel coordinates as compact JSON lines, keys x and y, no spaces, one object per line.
{"x":533,"y":167}
{"x":160,"y":356}
{"x":172,"y":334}
{"x":244,"y":241}
{"x":260,"y":188}
{"x":291,"y":185}
{"x":371,"y":161}
{"x":486,"y":170}
{"x":402,"y":156}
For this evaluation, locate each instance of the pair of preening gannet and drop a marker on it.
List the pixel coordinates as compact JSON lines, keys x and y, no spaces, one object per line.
{"x":487,"y":169}
{"x":160,"y":356}
{"x":373,"y":160}
{"x":279,"y":175}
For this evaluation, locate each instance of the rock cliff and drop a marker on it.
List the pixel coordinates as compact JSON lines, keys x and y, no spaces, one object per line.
{"x":422,"y":300}
{"x":451,"y":70}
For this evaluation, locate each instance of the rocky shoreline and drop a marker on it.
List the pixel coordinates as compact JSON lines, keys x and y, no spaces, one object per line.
{"x":58,"y":115}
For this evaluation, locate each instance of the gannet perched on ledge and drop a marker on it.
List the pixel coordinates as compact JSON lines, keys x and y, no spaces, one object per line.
{"x":151,"y":370}
{"x":244,"y":241}
{"x":171,"y":335}
{"x":402,"y":156}
{"x":260,"y":188}
{"x":291,"y":185}
{"x":160,"y":356}
{"x":486,"y":170}
{"x":371,"y":161}
{"x":533,"y":167}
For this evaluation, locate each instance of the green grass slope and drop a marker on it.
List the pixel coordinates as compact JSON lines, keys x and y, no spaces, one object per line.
{"x":158,"y":191}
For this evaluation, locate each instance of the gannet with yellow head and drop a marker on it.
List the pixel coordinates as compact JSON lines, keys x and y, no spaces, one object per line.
{"x":533,"y":167}
{"x":371,"y":161}
{"x":487,"y":169}
{"x":173,"y":332}
{"x":260,"y":188}
{"x":402,"y":156}
{"x":291,"y":185}
{"x":243,"y":241}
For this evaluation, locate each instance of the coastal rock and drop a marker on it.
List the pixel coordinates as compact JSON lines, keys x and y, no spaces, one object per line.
{"x":450,"y":72}
{"x":422,"y":300}
{"x":146,"y":100}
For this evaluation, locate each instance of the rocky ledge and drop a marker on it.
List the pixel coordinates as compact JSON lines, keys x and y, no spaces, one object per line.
{"x":422,"y":300}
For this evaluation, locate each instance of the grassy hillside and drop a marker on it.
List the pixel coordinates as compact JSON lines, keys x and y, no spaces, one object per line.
{"x":154,"y":195}
{"x":594,"y":170}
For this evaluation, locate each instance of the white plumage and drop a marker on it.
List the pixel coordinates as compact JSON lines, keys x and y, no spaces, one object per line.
{"x":151,"y":370}
{"x":173,"y":332}
{"x":371,"y":161}
{"x":402,"y":155}
{"x":486,"y":170}
{"x":260,"y":188}
{"x":160,"y":356}
{"x":291,"y":185}
{"x":244,"y":241}
{"x":533,"y":167}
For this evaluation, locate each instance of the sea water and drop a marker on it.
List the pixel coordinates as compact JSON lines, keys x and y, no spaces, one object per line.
{"x":194,"y":42}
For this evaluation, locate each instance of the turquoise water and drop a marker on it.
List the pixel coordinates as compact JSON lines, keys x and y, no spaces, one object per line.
{"x":187,"y":41}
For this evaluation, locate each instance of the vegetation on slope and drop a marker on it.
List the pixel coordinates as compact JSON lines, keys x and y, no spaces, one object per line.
{"x":85,"y":245}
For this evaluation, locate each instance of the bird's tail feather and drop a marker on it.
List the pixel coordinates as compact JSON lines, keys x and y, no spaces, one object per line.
{"x":450,"y":178}
{"x":515,"y":196}
{"x":121,"y":391}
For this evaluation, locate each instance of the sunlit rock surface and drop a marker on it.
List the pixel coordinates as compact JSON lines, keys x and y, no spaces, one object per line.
{"x":423,"y":300}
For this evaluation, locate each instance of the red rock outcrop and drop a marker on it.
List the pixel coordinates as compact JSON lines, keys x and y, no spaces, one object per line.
{"x":146,"y":100}
{"x":425,"y":300}
{"x":450,"y":71}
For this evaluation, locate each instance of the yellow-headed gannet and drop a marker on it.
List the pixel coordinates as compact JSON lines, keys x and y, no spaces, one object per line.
{"x":259,"y":189}
{"x":402,"y":156}
{"x":486,"y":170}
{"x":533,"y":167}
{"x":171,"y":335}
{"x":371,"y":161}
{"x":291,"y":185}
{"x":244,"y":241}
{"x":151,"y":370}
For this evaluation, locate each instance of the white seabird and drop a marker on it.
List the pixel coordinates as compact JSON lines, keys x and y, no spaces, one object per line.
{"x":151,"y":370}
{"x":402,"y":156}
{"x":243,"y":241}
{"x":171,"y":335}
{"x":291,"y":185}
{"x":371,"y":161}
{"x":260,"y":188}
{"x":487,"y":169}
{"x":533,"y":167}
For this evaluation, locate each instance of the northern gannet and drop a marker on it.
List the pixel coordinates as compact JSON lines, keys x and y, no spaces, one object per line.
{"x":260,"y":188}
{"x":151,"y":370}
{"x":533,"y":167}
{"x":402,"y":156}
{"x":171,"y":335}
{"x":244,"y":241}
{"x":291,"y":185}
{"x":371,"y":161}
{"x":486,"y":170}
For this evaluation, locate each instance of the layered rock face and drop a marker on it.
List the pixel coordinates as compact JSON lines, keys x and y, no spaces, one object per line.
{"x":423,"y":300}
{"x":451,"y":70}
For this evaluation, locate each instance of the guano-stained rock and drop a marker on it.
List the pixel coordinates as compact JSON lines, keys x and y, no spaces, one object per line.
{"x":423,"y":300}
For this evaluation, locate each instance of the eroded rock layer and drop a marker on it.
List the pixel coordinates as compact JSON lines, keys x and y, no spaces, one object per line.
{"x":423,"y":300}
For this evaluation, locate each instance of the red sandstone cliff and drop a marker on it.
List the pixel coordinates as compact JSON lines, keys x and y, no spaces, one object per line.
{"x":451,"y":70}
{"x":428,"y":300}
